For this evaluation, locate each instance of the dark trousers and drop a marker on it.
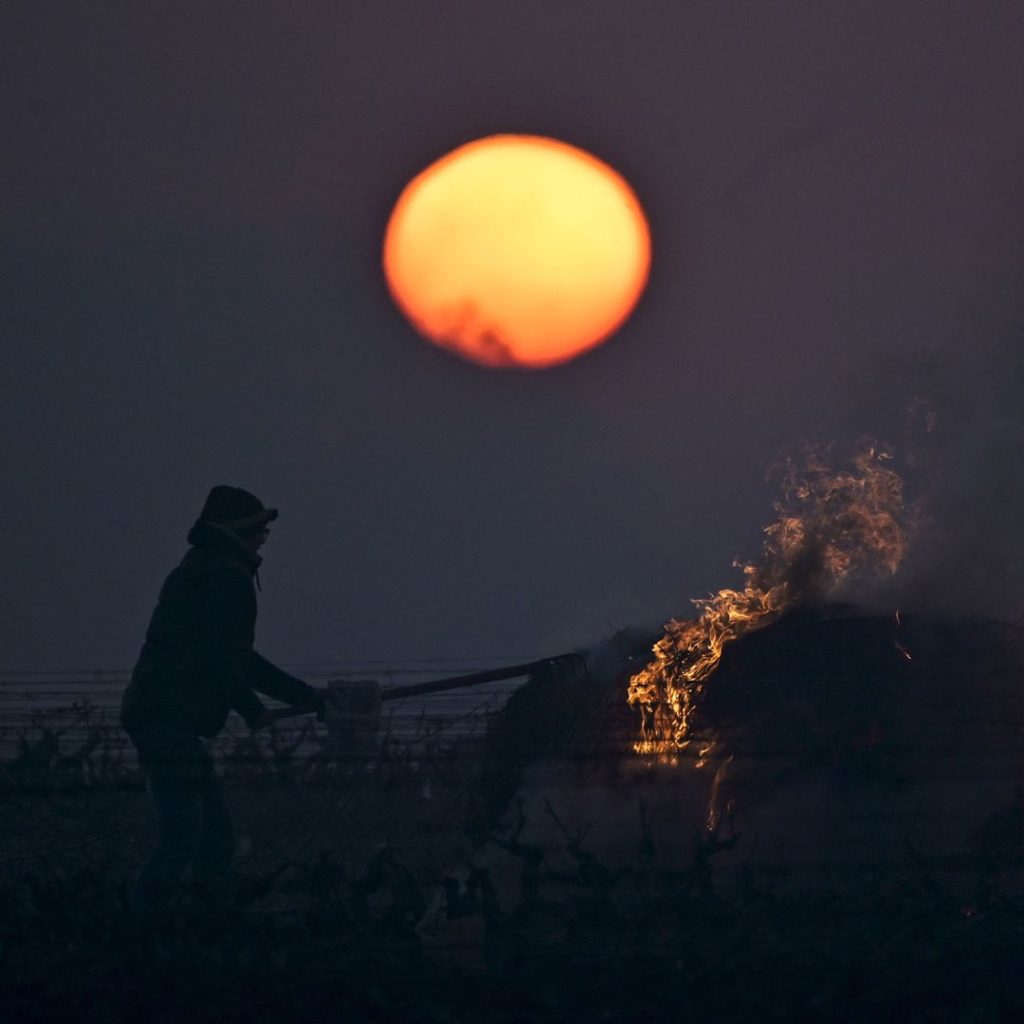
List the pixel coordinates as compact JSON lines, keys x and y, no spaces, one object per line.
{"x":193,"y":820}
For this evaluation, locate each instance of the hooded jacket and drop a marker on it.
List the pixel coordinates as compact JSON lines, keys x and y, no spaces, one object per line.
{"x":198,"y":662}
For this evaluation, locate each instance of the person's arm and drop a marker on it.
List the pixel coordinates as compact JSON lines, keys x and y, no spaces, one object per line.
{"x":228,"y":612}
{"x":268,"y":679}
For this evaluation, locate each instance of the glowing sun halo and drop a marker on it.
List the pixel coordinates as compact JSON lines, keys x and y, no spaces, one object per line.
{"x":517,"y":250}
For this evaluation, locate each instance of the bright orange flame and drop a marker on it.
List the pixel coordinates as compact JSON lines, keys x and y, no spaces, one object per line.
{"x":517,"y":250}
{"x":832,"y":528}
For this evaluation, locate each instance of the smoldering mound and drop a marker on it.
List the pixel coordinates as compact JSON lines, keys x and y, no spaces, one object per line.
{"x":833,"y":736}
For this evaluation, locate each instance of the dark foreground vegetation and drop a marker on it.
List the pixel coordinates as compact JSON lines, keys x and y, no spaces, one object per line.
{"x":346,"y":908}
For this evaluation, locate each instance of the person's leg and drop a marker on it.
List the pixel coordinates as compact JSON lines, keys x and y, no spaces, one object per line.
{"x":217,"y":846}
{"x":174,"y":765}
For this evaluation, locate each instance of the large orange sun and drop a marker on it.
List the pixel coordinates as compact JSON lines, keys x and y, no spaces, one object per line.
{"x":517,"y":251}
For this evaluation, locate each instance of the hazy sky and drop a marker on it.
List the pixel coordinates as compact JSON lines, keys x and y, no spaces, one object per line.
{"x":194,"y":196}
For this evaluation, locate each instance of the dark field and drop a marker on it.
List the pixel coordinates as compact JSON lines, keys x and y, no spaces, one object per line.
{"x":339,"y":912}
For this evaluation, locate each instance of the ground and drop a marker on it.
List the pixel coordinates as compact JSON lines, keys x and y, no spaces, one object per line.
{"x":360,"y":897}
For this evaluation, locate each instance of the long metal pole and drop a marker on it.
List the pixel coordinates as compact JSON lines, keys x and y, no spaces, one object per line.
{"x":490,"y":676}
{"x":454,"y":682}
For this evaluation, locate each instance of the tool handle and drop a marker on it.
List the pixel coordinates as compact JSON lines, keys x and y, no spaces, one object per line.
{"x":453,"y":682}
{"x":476,"y":678}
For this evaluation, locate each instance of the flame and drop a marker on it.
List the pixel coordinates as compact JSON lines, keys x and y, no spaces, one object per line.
{"x":832,"y":528}
{"x":897,"y":643}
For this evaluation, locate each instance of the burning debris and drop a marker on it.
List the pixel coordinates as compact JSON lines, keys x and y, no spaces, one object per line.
{"x":821,"y":729}
{"x":823,"y":744}
{"x":834,"y":530}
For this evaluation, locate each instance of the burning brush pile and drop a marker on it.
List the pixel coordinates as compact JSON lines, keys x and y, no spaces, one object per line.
{"x":802,"y":704}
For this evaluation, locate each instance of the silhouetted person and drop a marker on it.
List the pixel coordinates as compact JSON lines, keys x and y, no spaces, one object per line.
{"x":196,"y":664}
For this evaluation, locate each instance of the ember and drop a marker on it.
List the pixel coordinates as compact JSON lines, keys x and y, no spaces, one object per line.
{"x":834,"y":530}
